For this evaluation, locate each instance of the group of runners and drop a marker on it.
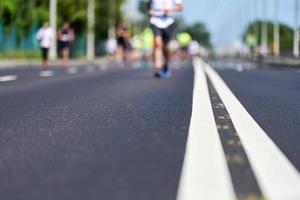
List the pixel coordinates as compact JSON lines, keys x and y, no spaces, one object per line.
{"x":158,"y":38}
{"x":157,"y":42}
{"x":65,"y":37}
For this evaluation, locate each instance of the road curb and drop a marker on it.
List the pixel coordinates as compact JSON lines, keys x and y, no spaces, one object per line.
{"x":282,"y":61}
{"x":16,"y":64}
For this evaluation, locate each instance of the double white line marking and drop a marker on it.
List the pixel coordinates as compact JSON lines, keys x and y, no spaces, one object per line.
{"x":205,"y":174}
{"x":46,"y":74}
{"x":8,"y":78}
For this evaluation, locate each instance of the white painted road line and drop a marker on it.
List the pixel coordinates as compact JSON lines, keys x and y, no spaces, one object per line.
{"x":205,"y":173}
{"x":46,"y":74}
{"x":277,"y":177}
{"x":8,"y":78}
{"x":90,"y":69}
{"x":72,"y":71}
{"x":103,"y":68}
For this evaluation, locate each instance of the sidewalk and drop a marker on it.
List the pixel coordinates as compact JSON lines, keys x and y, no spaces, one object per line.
{"x":13,"y":64}
{"x":288,"y":61}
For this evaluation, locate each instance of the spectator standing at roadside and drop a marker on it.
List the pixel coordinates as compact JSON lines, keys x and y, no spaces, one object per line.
{"x":65,"y":37}
{"x":45,"y":36}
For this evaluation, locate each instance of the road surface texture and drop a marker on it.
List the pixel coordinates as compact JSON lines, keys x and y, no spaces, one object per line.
{"x":119,"y":134}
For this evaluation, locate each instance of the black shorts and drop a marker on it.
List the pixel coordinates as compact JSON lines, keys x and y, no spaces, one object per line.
{"x":165,"y":33}
{"x":121,"y":41}
{"x":64,"y":44}
{"x":124,"y":43}
{"x":44,"y":53}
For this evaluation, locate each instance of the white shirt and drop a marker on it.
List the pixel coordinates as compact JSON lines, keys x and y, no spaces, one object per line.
{"x":111,"y":46}
{"x":194,"y":48}
{"x":45,"y":36}
{"x":157,"y":6}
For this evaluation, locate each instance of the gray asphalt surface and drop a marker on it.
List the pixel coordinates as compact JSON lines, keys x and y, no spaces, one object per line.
{"x":114,"y":134}
{"x":119,"y":133}
{"x":271,"y":94}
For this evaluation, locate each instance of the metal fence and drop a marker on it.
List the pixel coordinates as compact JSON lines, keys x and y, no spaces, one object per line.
{"x":11,"y":41}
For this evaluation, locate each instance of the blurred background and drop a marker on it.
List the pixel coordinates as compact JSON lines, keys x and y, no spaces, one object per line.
{"x":235,"y":27}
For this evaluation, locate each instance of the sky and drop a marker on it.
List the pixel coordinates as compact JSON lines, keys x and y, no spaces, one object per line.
{"x":226,"y":19}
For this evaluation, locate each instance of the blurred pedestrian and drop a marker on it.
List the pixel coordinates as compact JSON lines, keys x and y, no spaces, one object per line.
{"x":111,"y":46}
{"x":147,"y":37}
{"x":184,"y":39}
{"x":65,"y":37}
{"x":123,"y":44}
{"x":45,"y":36}
{"x":194,"y":49}
{"x":162,"y":24}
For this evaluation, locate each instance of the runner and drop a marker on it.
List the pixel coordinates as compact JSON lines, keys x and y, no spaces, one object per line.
{"x":147,"y":43}
{"x":184,"y":39}
{"x":194,"y":49}
{"x":162,"y":24}
{"x":124,"y":46}
{"x":44,"y":36}
{"x":66,"y":37}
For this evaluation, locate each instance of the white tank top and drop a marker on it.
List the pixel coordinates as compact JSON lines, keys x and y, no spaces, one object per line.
{"x":160,"y":20}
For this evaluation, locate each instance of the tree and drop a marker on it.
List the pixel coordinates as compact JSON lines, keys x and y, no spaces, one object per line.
{"x":24,"y":15}
{"x":200,"y":33}
{"x":286,"y":34}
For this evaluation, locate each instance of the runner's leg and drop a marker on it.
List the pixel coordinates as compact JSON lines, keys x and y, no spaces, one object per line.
{"x":44,"y":57}
{"x":167,"y":36}
{"x":158,"y":47}
{"x":66,"y":52}
{"x":158,"y":52}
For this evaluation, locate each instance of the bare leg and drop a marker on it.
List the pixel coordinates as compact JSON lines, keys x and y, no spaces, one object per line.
{"x":119,"y":54}
{"x":45,"y":64}
{"x":158,"y":52}
{"x":66,"y":53}
{"x":167,"y":54}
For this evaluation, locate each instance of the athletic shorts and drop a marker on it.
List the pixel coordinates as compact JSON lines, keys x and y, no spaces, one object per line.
{"x":165,"y":33}
{"x":121,"y":41}
{"x":64,"y":44}
{"x":44,"y":53}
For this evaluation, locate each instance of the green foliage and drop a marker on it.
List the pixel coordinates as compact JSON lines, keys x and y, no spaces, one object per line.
{"x":23,"y":15}
{"x":200,"y":33}
{"x":7,"y":11}
{"x":286,"y":34}
{"x":75,"y":13}
{"x":33,"y":54}
{"x":143,"y":8}
{"x":286,"y":38}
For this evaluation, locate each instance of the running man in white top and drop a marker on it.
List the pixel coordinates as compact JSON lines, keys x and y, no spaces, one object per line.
{"x":162,"y":24}
{"x":45,"y":36}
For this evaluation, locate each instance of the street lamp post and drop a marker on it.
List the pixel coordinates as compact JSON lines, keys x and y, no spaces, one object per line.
{"x":276,"y":29}
{"x":296,"y":30}
{"x":264,"y":33}
{"x":53,"y":24}
{"x":91,"y":30}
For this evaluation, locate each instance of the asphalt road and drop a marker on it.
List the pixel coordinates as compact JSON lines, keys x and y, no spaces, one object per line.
{"x":114,"y":134}
{"x":272,"y":96}
{"x":119,"y":134}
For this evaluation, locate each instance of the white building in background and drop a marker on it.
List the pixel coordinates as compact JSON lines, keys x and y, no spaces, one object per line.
{"x":235,"y":48}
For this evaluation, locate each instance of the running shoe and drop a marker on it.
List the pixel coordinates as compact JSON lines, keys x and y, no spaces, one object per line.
{"x":162,"y":74}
